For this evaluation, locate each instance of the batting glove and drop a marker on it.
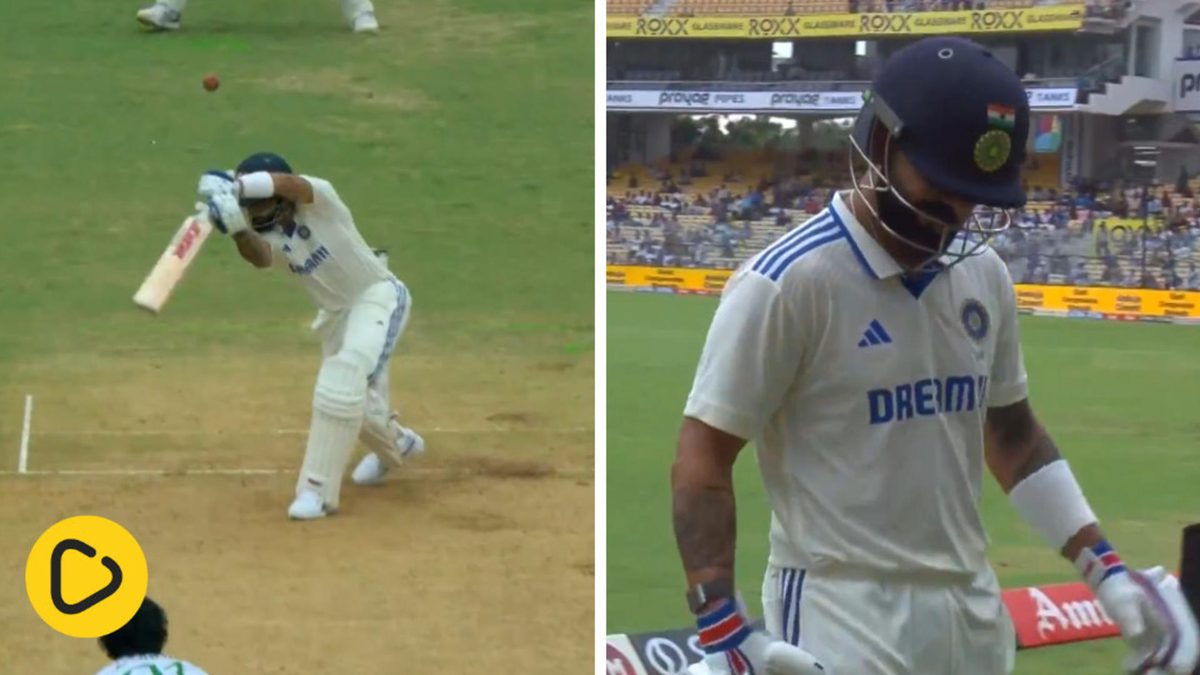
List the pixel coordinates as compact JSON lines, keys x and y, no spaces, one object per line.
{"x":732,"y":647}
{"x":226,"y":214}
{"x":1150,"y":610}
{"x":214,"y":182}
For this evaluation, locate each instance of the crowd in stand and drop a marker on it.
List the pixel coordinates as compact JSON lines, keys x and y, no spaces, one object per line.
{"x":1090,"y":233}
{"x":1106,"y":235}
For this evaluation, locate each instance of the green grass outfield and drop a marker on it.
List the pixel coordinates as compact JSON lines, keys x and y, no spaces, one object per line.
{"x":461,"y":137}
{"x":1120,"y":399}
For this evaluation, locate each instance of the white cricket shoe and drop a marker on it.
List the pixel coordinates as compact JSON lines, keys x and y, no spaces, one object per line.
{"x":159,"y":17}
{"x":372,"y":468}
{"x":365,"y":23}
{"x":308,"y":505}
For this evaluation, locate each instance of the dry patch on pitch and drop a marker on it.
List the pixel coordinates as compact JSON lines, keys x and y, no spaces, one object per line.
{"x":338,"y":82}
{"x":449,"y":27}
{"x":481,"y":553}
{"x":348,"y":129}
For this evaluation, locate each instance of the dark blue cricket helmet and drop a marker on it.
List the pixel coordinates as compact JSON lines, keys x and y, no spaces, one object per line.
{"x":264,"y":161}
{"x":958,"y":113}
{"x":961,"y":117}
{"x":271,"y":163}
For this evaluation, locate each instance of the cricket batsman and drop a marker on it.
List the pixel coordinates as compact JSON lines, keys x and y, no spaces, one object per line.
{"x":872,"y":356}
{"x":166,"y":15}
{"x":298,"y":222}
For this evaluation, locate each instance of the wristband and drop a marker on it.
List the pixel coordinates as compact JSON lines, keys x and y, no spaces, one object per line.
{"x":1098,"y":563}
{"x":257,"y":185}
{"x":1051,"y":500}
{"x":723,"y":628}
{"x":700,"y":595}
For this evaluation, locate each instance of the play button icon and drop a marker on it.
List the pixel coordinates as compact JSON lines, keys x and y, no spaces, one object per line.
{"x":86,"y":576}
{"x":56,"y":577}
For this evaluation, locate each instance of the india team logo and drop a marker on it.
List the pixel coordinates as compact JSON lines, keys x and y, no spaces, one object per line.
{"x":975,"y":319}
{"x":992,"y":150}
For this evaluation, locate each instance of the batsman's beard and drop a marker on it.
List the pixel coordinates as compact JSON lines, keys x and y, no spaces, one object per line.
{"x":911,"y":227}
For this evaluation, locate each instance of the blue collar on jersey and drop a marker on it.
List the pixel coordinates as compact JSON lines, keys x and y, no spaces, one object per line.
{"x":876,"y":261}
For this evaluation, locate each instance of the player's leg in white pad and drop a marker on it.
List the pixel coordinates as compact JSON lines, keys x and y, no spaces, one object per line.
{"x":338,"y":402}
{"x":390,"y":442}
{"x":360,"y":14}
{"x":162,"y":15}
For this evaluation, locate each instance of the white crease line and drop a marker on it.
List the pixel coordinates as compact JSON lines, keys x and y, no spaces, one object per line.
{"x":298,"y":432}
{"x":23,"y":458}
{"x":149,"y":472}
{"x":219,"y":471}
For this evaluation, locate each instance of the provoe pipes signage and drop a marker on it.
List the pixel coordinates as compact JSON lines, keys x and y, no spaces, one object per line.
{"x":1185,"y":80}
{"x":733,"y":101}
{"x":782,"y":101}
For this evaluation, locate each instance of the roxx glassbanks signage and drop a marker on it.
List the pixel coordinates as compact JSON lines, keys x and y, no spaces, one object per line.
{"x":1014,"y":20}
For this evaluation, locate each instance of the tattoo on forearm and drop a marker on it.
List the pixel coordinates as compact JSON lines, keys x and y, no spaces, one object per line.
{"x":1019,"y":435}
{"x":1042,"y":451}
{"x":706,"y":529}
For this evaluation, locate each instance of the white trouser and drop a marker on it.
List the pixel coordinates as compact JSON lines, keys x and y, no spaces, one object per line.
{"x":371,"y":326}
{"x":879,"y":625}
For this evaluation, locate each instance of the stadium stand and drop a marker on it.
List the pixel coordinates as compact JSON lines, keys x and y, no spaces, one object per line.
{"x":703,"y":7}
{"x":716,"y":214}
{"x":628,"y":7}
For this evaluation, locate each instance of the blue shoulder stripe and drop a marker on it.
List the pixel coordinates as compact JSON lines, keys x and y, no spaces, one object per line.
{"x":815,"y":242}
{"x":772,"y":253}
{"x":776,"y":260}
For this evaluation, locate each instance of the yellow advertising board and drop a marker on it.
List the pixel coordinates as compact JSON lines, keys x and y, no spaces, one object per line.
{"x":1109,"y":302}
{"x":1093,"y":301}
{"x":672,"y":279}
{"x":1023,"y":20}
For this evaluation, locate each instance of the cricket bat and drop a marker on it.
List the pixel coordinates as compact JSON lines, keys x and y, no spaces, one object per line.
{"x":168,"y":271}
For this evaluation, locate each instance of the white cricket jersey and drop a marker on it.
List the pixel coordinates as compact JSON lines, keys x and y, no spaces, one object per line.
{"x":150,"y":664}
{"x":865,"y":395}
{"x":326,"y":252}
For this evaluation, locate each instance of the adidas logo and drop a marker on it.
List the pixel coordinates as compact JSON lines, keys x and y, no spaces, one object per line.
{"x":875,"y":335}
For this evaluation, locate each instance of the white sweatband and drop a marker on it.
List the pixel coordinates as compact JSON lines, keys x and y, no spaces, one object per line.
{"x":1051,"y":501}
{"x":257,"y":185}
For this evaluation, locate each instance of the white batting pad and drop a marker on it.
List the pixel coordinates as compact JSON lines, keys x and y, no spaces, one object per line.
{"x":376,"y":433}
{"x":379,"y":433}
{"x":338,"y":401}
